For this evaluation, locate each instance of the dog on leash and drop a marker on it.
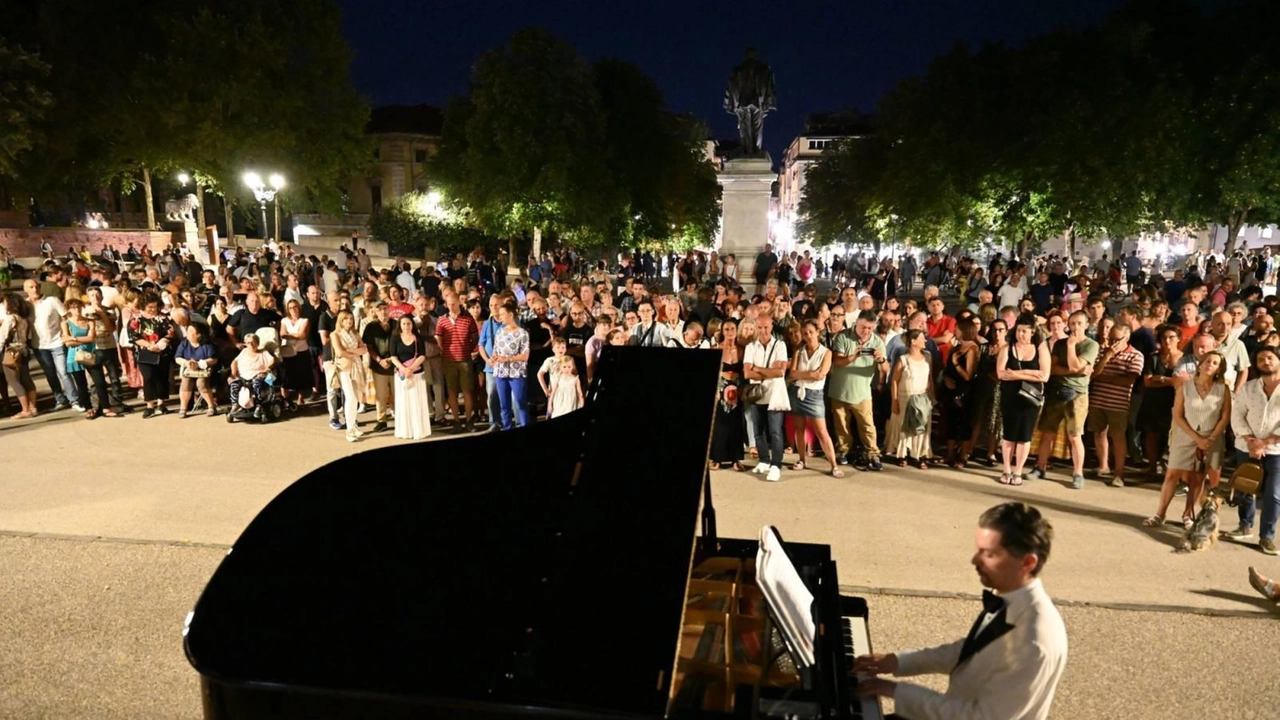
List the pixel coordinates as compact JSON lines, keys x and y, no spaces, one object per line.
{"x":1204,"y":530}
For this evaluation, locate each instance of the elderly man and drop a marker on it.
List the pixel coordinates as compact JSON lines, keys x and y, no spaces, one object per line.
{"x":1232,"y":348}
{"x":858,"y":358}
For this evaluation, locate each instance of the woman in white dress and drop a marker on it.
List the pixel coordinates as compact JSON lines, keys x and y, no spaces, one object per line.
{"x":1201,"y":412}
{"x":911,"y":376}
{"x":408,"y":354}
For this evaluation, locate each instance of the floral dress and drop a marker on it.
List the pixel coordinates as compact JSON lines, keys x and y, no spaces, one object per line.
{"x":152,"y":329}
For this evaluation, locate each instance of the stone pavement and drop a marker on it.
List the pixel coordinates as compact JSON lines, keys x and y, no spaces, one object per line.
{"x":103,"y":550}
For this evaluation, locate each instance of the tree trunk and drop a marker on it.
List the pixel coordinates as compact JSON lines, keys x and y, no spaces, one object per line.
{"x":151,"y":202}
{"x":230,"y":220}
{"x":200,"y":209}
{"x":1023,"y":243}
{"x":537,"y":244}
{"x":1071,"y":241}
{"x":1235,"y":221}
{"x":514,"y":266}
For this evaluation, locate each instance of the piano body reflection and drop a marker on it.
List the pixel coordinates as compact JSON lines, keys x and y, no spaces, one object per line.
{"x":555,"y":570}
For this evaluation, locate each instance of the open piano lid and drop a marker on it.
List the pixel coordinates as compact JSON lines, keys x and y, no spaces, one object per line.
{"x":541,"y":568}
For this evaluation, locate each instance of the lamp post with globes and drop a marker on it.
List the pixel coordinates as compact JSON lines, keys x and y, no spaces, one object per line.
{"x":265,"y":193}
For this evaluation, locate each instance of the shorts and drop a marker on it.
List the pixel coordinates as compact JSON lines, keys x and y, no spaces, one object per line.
{"x":1115,"y":422}
{"x":458,"y":376}
{"x":1056,"y":411}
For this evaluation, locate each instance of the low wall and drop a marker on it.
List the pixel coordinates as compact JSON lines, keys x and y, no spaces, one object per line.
{"x":25,"y":242}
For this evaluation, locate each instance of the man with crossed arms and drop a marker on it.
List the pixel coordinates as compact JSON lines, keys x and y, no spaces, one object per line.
{"x":1009,"y":665}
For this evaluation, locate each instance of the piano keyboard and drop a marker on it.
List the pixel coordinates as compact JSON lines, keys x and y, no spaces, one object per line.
{"x":857,"y":641}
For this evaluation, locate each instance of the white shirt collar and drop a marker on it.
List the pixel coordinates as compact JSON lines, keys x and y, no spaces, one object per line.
{"x":1017,"y":600}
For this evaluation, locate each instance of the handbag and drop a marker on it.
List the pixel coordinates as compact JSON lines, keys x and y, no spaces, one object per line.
{"x":13,"y":357}
{"x":146,"y":357}
{"x":85,"y":358}
{"x":756,"y":392}
{"x":1032,"y":393}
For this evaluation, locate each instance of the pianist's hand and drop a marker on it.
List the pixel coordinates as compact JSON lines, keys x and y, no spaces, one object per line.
{"x":876,"y":687}
{"x":876,"y":664}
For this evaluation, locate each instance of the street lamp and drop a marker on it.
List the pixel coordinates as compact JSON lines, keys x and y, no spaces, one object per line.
{"x":265,"y":193}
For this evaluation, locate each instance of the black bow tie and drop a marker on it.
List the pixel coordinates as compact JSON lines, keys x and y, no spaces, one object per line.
{"x":991,"y":602}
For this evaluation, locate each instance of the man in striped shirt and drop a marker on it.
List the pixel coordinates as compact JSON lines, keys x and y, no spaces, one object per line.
{"x":459,"y":338}
{"x":1109,"y":392}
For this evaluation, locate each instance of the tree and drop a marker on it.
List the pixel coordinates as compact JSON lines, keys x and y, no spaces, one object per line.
{"x":24,"y":101}
{"x":524,"y":151}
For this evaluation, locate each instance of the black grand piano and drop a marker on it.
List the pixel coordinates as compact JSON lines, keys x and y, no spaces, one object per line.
{"x":554,"y":571}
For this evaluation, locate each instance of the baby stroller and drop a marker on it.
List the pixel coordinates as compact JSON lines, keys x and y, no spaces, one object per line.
{"x":258,"y":398}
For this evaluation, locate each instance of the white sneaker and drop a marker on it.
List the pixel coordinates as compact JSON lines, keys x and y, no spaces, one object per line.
{"x":76,"y":407}
{"x":775,"y":474}
{"x":352,"y":437}
{"x":760,"y":468}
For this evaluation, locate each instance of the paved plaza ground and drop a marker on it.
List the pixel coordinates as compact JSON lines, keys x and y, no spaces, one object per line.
{"x":109,"y":530}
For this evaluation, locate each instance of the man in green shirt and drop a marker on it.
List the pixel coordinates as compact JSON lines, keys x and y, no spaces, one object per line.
{"x":858,"y":357}
{"x":1066,"y":397}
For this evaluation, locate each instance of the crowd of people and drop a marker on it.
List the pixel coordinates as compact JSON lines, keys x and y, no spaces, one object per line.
{"x":1159,"y":372}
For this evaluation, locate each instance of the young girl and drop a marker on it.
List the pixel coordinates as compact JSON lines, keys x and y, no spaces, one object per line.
{"x":566,"y":390}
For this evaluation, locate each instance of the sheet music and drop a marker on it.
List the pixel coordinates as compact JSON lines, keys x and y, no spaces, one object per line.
{"x":789,"y":599}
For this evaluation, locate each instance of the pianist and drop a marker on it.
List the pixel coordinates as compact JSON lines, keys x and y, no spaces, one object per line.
{"x":1009,"y":665}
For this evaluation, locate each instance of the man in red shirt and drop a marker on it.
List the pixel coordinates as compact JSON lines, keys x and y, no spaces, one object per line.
{"x":941,"y":327}
{"x":458,"y":337}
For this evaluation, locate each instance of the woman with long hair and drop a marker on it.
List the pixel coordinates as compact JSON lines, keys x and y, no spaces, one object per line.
{"x":78,"y":335}
{"x":957,"y":379}
{"x":348,"y":359}
{"x":728,"y":436}
{"x":153,"y":337}
{"x":1201,"y":413}
{"x":412,"y":413}
{"x":16,"y":353}
{"x":806,"y":380}
{"x":1160,"y":386}
{"x":985,"y":397}
{"x":1023,"y":370}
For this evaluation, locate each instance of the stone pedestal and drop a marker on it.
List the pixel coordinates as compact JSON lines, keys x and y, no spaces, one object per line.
{"x":186,"y":236}
{"x":744,"y":202}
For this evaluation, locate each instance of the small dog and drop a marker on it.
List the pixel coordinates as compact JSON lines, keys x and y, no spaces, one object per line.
{"x":1204,"y":530}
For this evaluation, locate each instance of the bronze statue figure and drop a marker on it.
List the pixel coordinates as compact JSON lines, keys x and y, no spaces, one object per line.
{"x":750,"y":96}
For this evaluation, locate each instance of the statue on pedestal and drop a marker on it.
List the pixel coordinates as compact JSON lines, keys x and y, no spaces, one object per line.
{"x":750,"y":95}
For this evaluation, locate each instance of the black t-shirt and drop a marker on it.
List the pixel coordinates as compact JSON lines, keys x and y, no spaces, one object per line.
{"x":430,"y":286}
{"x":328,"y":323}
{"x":378,"y":340}
{"x":538,"y":335}
{"x":765,"y":262}
{"x":406,"y":352}
{"x":577,"y":336}
{"x":247,"y":323}
{"x":313,"y":315}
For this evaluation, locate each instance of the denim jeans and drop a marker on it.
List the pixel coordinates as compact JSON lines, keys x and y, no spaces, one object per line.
{"x":54,"y":364}
{"x":491,"y":397}
{"x":768,"y":437}
{"x":507,"y":390}
{"x":1270,"y":495}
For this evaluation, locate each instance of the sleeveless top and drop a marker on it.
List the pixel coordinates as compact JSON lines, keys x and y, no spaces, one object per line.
{"x":809,"y":363}
{"x":1202,"y":413}
{"x":1015,"y":363}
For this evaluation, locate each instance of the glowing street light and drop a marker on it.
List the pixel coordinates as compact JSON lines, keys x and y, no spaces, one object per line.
{"x":265,"y":193}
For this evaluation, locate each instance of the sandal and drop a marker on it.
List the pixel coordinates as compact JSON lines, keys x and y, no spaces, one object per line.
{"x":714,"y":465}
{"x":797,"y":465}
{"x":737,"y":466}
{"x":924,"y":465}
{"x":1153,"y":521}
{"x":109,"y":413}
{"x":902,"y":462}
{"x":1187,"y":523}
{"x":1005,"y":479}
{"x":836,"y":472}
{"x":1017,"y":479}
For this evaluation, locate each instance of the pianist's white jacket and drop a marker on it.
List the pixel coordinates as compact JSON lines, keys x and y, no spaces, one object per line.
{"x":1011,"y":677}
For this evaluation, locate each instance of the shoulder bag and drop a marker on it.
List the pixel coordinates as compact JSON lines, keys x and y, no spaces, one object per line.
{"x":756,"y":392}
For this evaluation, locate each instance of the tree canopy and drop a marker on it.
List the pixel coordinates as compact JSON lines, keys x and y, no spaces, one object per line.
{"x":1102,"y":131}
{"x":547,"y":142}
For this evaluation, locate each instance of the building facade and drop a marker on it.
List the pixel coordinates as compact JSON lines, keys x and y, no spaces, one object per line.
{"x":407,"y":136}
{"x":820,"y":133}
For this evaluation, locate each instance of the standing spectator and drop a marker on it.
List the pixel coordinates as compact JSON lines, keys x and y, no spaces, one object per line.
{"x":566,"y":389}
{"x":650,"y":332}
{"x":908,"y":268}
{"x":78,"y":334}
{"x":378,"y":337}
{"x":765,"y":363}
{"x":510,"y":366}
{"x":912,"y":378}
{"x":1232,"y":349}
{"x":152,"y":335}
{"x":349,"y":353}
{"x":1201,"y":412}
{"x":51,"y":353}
{"x":407,"y":354}
{"x":1023,"y":370}
{"x":1160,"y":381}
{"x":766,"y":265}
{"x":16,"y":352}
{"x":1110,"y":392}
{"x":1256,"y":424}
{"x":1066,"y":397}
{"x":489,"y":330}
{"x":727,"y":437}
{"x":859,"y":358}
{"x":808,"y":375}
{"x":957,"y":380}
{"x":459,"y":338}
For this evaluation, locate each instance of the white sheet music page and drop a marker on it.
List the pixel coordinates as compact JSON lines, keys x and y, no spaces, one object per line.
{"x":787,"y":595}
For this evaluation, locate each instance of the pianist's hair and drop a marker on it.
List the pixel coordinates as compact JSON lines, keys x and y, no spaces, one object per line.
{"x":1022,"y":530}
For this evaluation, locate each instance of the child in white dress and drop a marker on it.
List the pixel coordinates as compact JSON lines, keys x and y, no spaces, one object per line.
{"x":566,"y":389}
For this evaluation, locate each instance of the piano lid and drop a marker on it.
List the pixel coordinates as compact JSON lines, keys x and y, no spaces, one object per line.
{"x":544,"y":567}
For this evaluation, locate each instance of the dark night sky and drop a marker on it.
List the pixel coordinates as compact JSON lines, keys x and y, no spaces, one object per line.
{"x":826,"y":55}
